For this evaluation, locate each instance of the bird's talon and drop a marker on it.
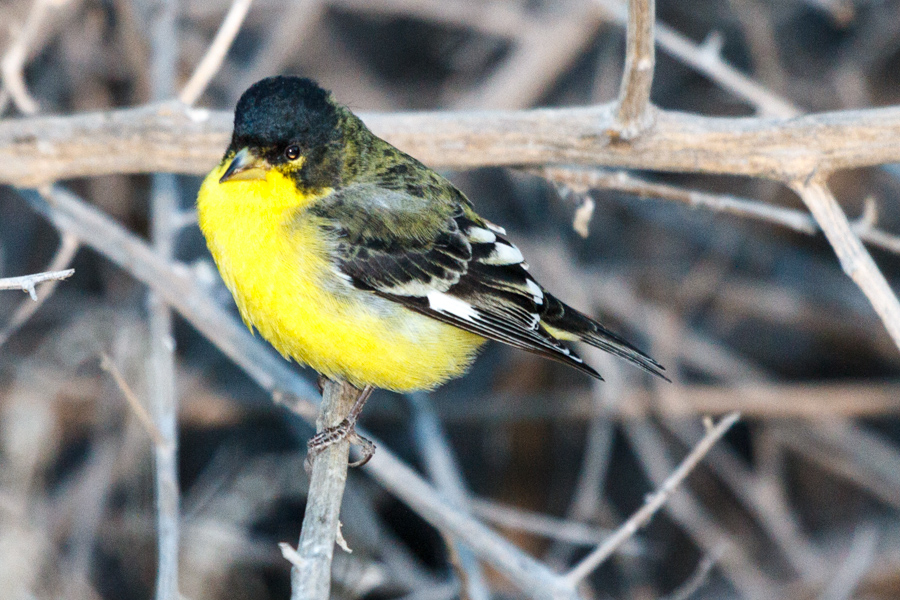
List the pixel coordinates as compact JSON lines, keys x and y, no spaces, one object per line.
{"x":345,"y":430}
{"x":366,"y":448}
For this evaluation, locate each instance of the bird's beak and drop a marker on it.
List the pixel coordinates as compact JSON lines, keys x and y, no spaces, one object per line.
{"x":245,"y":166}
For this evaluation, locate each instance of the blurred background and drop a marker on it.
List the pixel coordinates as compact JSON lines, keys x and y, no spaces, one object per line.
{"x":800,"y":500}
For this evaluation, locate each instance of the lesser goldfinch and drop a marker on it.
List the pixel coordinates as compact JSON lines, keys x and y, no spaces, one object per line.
{"x":354,"y":258}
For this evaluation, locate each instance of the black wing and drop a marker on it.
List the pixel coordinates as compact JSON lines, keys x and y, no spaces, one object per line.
{"x":458,"y":269}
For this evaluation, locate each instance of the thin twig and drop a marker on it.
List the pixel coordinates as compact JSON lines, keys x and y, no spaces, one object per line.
{"x":581,"y":180}
{"x":543,"y":48}
{"x":696,"y":580}
{"x":653,"y":503}
{"x":12,"y":65}
{"x":554,"y":528}
{"x":131,"y":398}
{"x":311,"y":573}
{"x":707,"y":60}
{"x":854,"y":567}
{"x":441,"y":465}
{"x":635,"y":113}
{"x":853,"y":256}
{"x":215,"y":55}
{"x":26,"y":283}
{"x":68,"y":247}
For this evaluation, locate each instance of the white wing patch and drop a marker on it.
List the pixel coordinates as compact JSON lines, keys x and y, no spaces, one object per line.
{"x":504,"y":254}
{"x":446,"y":303}
{"x":536,"y":291}
{"x":479,"y":235}
{"x":420,"y":288}
{"x":495,"y":228}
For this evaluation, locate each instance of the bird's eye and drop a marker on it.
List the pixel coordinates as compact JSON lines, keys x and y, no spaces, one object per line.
{"x":292,"y":152}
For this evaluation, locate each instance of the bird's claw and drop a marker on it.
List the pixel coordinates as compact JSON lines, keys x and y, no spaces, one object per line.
{"x":345,"y":430}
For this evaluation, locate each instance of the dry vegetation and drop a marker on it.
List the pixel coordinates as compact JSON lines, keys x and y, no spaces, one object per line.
{"x":141,"y":453}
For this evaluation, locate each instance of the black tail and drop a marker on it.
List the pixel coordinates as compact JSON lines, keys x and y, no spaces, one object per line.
{"x":561,"y":316}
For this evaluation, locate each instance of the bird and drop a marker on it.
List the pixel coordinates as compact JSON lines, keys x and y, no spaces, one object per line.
{"x":354,"y":258}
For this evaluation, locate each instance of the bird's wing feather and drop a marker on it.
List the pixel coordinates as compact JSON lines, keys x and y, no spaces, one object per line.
{"x":457,"y":268}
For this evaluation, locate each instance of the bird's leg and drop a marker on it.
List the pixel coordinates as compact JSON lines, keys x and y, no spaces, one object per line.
{"x":345,"y":430}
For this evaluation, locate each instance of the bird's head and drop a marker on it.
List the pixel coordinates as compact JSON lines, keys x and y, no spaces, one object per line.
{"x":292,"y":126}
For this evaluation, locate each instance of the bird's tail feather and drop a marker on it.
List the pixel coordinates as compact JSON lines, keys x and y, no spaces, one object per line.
{"x":564,"y":318}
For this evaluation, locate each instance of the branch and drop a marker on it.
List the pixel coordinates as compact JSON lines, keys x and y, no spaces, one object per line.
{"x":855,"y":260}
{"x":12,"y":65}
{"x":163,"y":34}
{"x":311,"y":574}
{"x":177,"y":139}
{"x":635,"y":113}
{"x":443,"y":470}
{"x":653,"y":504}
{"x":581,"y":180}
{"x":143,"y":417}
{"x":212,"y":60}
{"x":68,"y":247}
{"x":26,"y":283}
{"x":707,"y":59}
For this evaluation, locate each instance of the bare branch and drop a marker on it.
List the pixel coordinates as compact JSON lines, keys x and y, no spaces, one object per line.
{"x":581,"y":180}
{"x":163,"y":67}
{"x":854,"y":259}
{"x":547,"y":526}
{"x":707,"y":60}
{"x":177,"y":139}
{"x":12,"y":65}
{"x":653,"y":504}
{"x":753,"y":399}
{"x":444,"y":471}
{"x":311,"y":574}
{"x":215,"y":55}
{"x":853,"y":568}
{"x":68,"y":247}
{"x":544,"y":47}
{"x":635,"y":113}
{"x":131,"y":398}
{"x":26,"y":283}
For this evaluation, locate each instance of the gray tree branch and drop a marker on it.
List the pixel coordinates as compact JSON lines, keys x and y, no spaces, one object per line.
{"x":177,"y":139}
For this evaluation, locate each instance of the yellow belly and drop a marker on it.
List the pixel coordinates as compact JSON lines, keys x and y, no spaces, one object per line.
{"x":277,"y":269}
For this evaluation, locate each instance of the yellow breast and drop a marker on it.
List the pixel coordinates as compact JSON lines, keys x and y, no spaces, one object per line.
{"x":276,"y":263}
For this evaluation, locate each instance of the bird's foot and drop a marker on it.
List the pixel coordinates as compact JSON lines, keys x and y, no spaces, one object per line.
{"x":345,"y":430}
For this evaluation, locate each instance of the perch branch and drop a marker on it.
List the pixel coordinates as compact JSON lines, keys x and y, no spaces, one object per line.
{"x":653,"y":504}
{"x":311,"y":573}
{"x":635,"y":113}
